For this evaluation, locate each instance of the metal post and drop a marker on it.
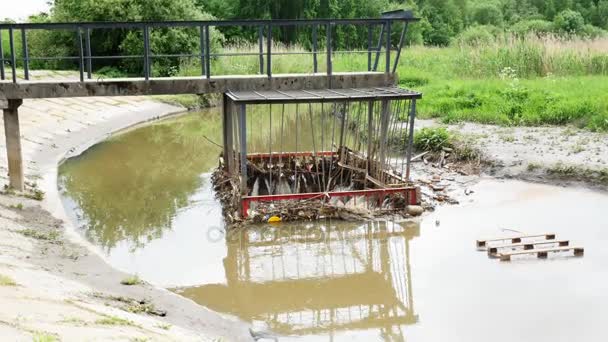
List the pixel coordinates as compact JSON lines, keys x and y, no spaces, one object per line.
{"x":370,"y":134}
{"x":410,"y":139}
{"x":243,"y":141}
{"x":379,"y":48}
{"x":13,"y":144}
{"x":11,"y":41}
{"x":207,"y":52}
{"x":228,"y":131}
{"x":315,"y":44}
{"x":369,"y":47}
{"x":26,"y":57}
{"x":387,"y":68}
{"x":329,"y":66}
{"x":261,"y":47}
{"x":89,"y":54}
{"x":80,"y":55}
{"x":146,"y":53}
{"x":2,"y":75}
{"x":401,"y":41}
{"x":269,"y":52}
{"x":202,"y":43}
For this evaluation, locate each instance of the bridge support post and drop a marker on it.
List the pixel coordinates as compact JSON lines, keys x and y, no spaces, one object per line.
{"x":228,"y":131}
{"x":13,"y":143}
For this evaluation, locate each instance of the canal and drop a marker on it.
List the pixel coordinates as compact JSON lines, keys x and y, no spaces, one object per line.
{"x":144,"y":198}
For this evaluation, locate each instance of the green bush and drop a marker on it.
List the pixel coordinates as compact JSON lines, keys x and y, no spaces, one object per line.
{"x":536,"y":26}
{"x":569,"y":22}
{"x":477,"y":35}
{"x":487,"y":13}
{"x":432,"y":139}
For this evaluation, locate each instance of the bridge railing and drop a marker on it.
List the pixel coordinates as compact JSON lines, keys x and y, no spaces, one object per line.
{"x":380,"y":33}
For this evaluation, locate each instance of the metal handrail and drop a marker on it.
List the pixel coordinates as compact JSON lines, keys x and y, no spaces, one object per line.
{"x":85,"y":57}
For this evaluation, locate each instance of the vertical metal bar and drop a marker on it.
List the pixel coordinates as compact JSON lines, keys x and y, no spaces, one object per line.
{"x":261,"y":47}
{"x":243,"y":141}
{"x":315,"y":45}
{"x":384,"y":123}
{"x":26,"y":57}
{"x":146,"y":53}
{"x":401,"y":42}
{"x":379,"y":47}
{"x":207,"y":52}
{"x":343,"y":126}
{"x":202,"y":48}
{"x":89,"y":54}
{"x":80,"y":55}
{"x":11,"y":41}
{"x":369,"y":47}
{"x":2,"y":75}
{"x":329,"y":42}
{"x":387,"y":68}
{"x":269,"y":51}
{"x":410,"y":139}
{"x":370,"y":138}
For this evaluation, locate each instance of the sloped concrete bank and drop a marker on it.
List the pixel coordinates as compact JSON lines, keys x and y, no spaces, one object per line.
{"x":56,"y":283}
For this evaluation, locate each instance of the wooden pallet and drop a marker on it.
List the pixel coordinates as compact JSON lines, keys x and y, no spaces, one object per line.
{"x":514,"y":239}
{"x":493,"y":250}
{"x":542,"y":253}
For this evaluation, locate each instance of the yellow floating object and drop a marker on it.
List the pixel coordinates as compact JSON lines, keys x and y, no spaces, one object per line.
{"x":274,"y":219}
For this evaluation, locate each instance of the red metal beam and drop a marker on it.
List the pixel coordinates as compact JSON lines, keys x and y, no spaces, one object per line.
{"x":411,"y":193}
{"x":290,"y":154}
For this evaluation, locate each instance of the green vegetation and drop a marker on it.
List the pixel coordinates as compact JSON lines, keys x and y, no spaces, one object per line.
{"x":437,"y":139}
{"x":562,"y":171}
{"x":17,"y":206}
{"x":432,"y":139}
{"x":164,"y":326}
{"x":507,"y":62}
{"x":6,"y":281}
{"x":44,"y":337}
{"x":52,"y":235}
{"x":131,"y":280}
{"x":113,"y":320}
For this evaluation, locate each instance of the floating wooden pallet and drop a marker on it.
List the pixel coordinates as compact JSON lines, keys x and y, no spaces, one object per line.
{"x":514,"y":239}
{"x":529,"y":246}
{"x":493,"y":250}
{"x":542,"y":253}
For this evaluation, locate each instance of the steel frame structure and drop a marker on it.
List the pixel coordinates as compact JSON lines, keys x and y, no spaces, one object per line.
{"x":236,"y":157}
{"x":85,"y":57}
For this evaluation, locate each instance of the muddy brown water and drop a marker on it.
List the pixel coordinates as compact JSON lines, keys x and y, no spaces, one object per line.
{"x":144,"y":199}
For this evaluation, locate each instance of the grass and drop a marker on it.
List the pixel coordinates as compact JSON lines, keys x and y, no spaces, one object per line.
{"x":6,"y":281}
{"x":563,"y":171}
{"x":164,"y":326}
{"x":113,"y":320}
{"x":52,"y":235}
{"x":510,"y":82}
{"x":44,"y":337}
{"x":131,"y":280}
{"x":18,"y":206}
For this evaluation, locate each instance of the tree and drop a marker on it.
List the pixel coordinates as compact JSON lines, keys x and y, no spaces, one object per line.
{"x":112,"y":42}
{"x":569,"y":21}
{"x":487,"y":14}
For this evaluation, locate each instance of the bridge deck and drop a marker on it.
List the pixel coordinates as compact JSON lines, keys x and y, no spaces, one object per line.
{"x":191,"y":85}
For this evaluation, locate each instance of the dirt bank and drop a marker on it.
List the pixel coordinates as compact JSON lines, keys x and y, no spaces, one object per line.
{"x":556,"y":155}
{"x":53,"y":281}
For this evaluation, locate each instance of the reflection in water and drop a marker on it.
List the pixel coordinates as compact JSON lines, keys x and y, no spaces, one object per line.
{"x":131,"y":187}
{"x":318,"y":279}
